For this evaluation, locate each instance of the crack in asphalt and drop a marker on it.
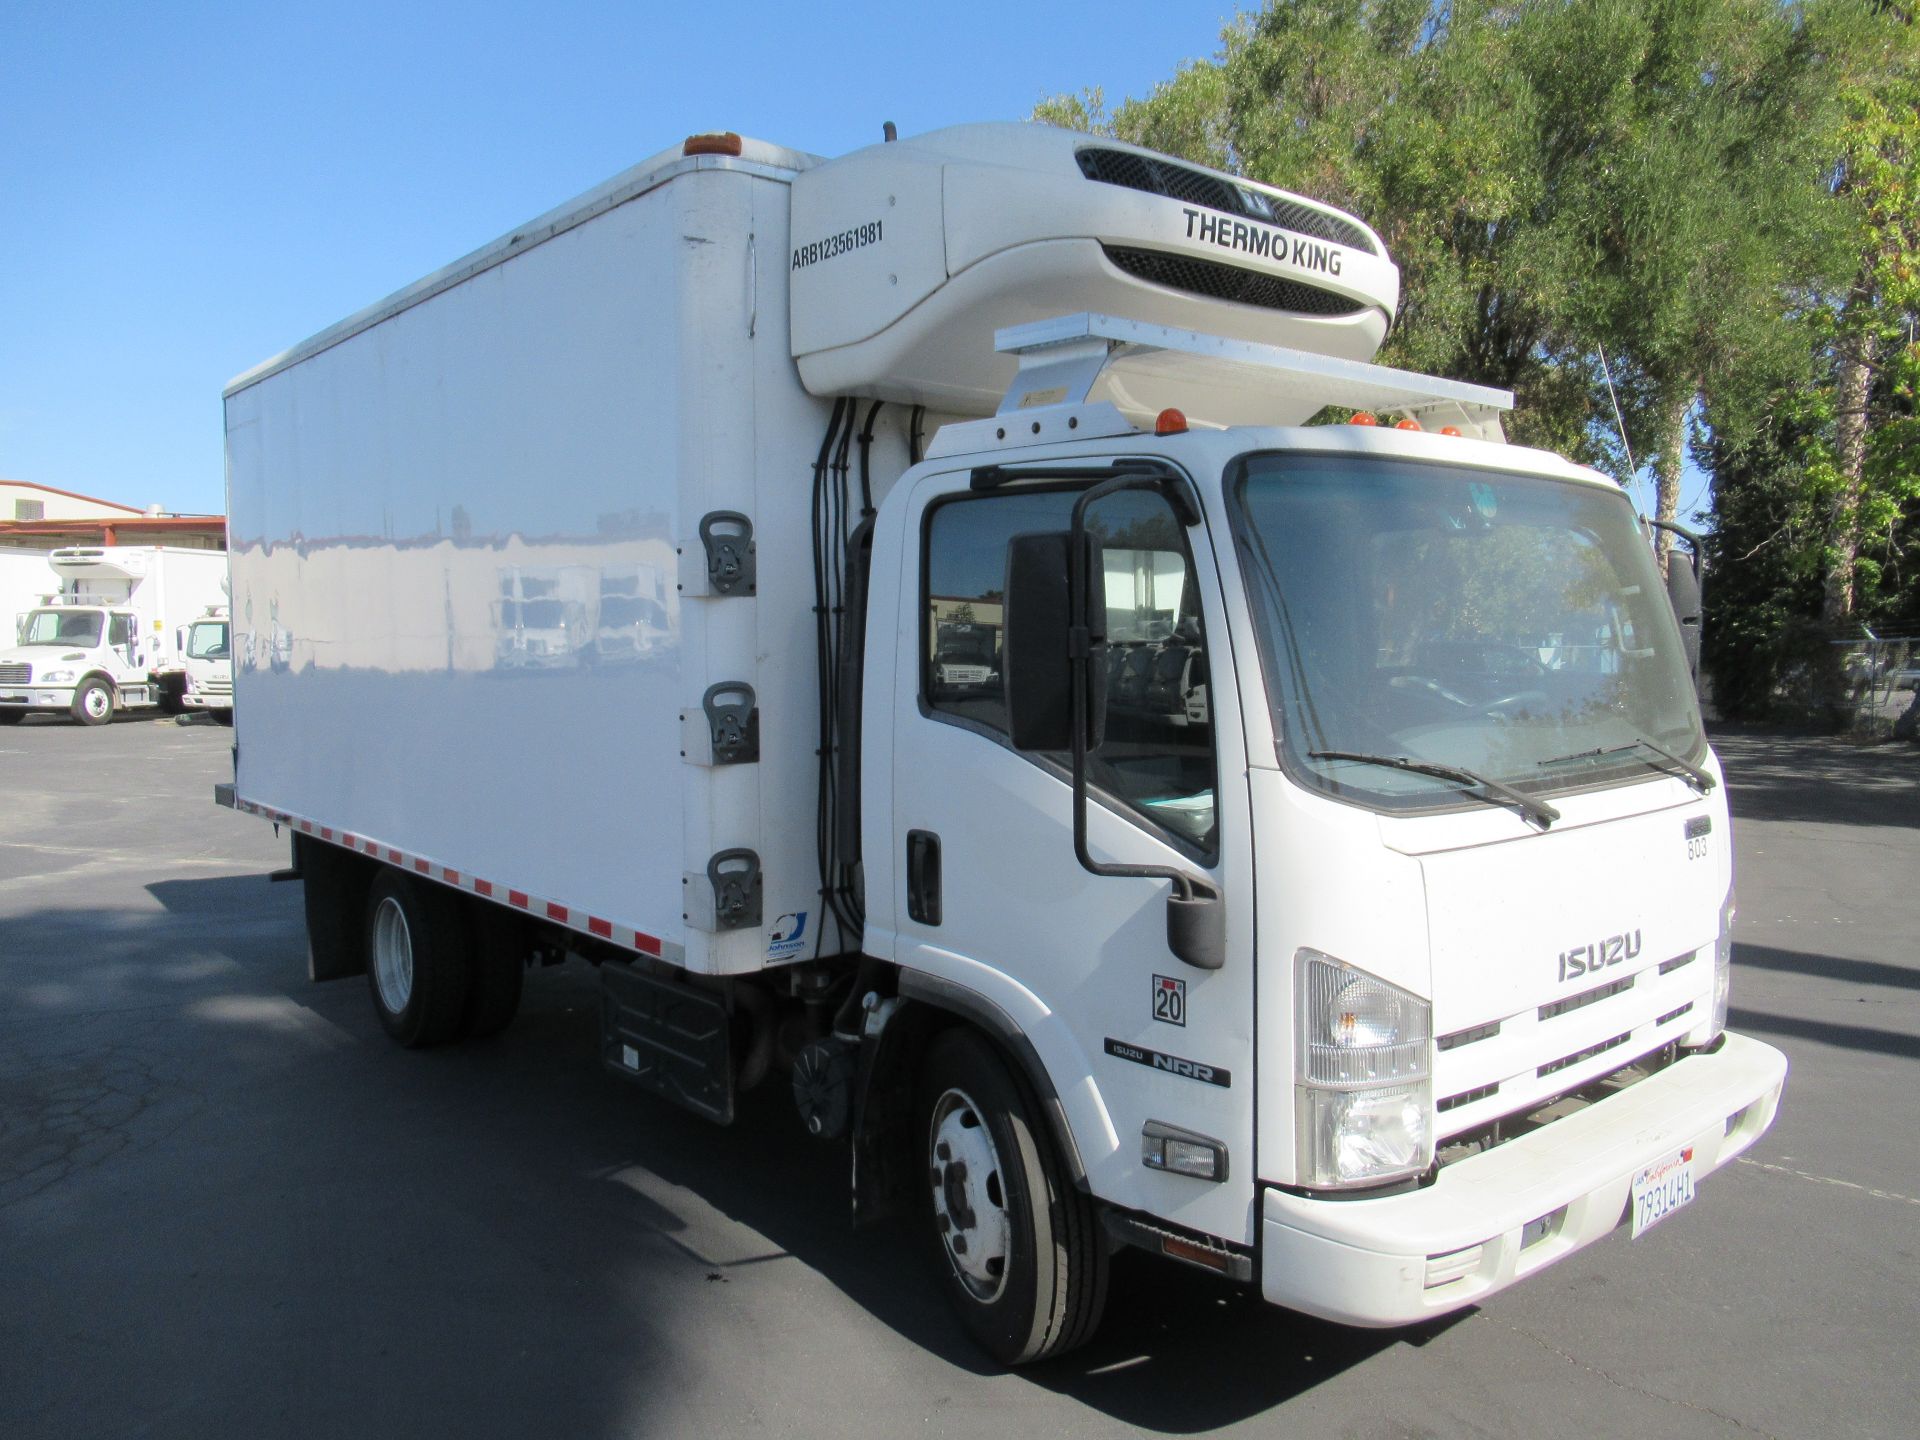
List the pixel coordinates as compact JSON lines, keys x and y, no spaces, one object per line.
{"x":69,"y":1113}
{"x":1619,"y":1384}
{"x":1828,"y":1180}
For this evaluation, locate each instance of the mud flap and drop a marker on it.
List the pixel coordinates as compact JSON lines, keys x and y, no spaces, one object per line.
{"x":336,"y":885}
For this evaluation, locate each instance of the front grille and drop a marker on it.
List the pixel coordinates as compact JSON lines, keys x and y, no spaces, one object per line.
{"x":1468,"y":1036}
{"x":1567,"y":1062}
{"x":16,"y":674}
{"x":1214,"y":192}
{"x":1586,"y":998}
{"x":1229,"y":282}
{"x":1552,"y":1107}
{"x":1469,"y":1097}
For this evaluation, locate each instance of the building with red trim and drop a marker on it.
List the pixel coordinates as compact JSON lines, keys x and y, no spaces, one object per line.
{"x":39,"y":517}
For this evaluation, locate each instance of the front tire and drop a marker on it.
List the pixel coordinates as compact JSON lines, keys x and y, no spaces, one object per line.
{"x":93,"y":702}
{"x":12,"y":717}
{"x":1020,"y":1248}
{"x":417,"y":969}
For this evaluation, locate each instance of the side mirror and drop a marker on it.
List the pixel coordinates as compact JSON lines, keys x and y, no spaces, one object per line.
{"x":1683,"y":592}
{"x":1039,"y":641}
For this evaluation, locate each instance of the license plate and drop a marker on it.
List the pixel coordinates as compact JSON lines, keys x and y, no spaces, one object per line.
{"x":1660,"y":1189}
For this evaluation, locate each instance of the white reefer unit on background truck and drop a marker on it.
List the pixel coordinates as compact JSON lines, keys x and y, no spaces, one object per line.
{"x":112,"y":634}
{"x":1307,"y":864}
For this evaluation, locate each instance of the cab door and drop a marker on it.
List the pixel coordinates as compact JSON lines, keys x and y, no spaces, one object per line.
{"x":123,"y":641}
{"x":984,"y":888}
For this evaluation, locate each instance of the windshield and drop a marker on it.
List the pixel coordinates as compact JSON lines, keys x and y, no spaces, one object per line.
{"x":207,"y":640}
{"x":1507,"y":625}
{"x":62,"y":627}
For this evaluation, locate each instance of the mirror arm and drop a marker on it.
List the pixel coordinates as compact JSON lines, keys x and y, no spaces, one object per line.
{"x":1195,"y":922}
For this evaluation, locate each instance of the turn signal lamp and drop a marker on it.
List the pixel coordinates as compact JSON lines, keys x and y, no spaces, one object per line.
{"x":1361,"y":417}
{"x":1170,"y":422}
{"x":1407,"y":424}
{"x":724,"y":143}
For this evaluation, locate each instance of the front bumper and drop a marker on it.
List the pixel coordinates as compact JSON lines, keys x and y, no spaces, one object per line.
{"x":36,"y":697}
{"x":1491,"y":1220}
{"x":207,"y":700}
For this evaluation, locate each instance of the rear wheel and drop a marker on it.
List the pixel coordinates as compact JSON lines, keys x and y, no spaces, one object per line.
{"x":1024,"y":1262}
{"x":93,"y":702}
{"x":417,"y":969}
{"x":499,"y":971}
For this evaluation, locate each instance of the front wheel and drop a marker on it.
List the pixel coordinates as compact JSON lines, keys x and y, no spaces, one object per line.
{"x":12,"y":717}
{"x":1023,"y":1258}
{"x":93,"y":702}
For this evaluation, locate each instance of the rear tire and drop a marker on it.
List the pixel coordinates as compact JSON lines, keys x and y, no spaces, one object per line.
{"x":93,"y":702}
{"x":499,"y":971}
{"x":1020,"y":1249}
{"x":417,"y":959}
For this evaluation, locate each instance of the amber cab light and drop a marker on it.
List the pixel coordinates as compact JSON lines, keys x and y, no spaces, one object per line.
{"x":1361,"y":417}
{"x":1407,"y":424}
{"x":1453,"y":430}
{"x":724,"y":143}
{"x":1170,"y":422}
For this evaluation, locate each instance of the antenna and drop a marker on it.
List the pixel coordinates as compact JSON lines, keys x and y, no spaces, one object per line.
{"x":1618,"y":424}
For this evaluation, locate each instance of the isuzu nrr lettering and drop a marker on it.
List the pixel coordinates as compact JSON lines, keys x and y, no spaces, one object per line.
{"x":892,"y":616}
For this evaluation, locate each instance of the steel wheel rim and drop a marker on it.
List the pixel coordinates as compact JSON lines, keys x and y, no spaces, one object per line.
{"x":969,"y":1196}
{"x":392,"y":955}
{"x":96,"y":702}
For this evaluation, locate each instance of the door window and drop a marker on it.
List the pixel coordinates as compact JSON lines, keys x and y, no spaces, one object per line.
{"x":120,"y":631}
{"x":1157,"y":758}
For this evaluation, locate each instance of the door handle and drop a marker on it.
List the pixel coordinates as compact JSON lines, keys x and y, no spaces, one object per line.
{"x":923,"y":877}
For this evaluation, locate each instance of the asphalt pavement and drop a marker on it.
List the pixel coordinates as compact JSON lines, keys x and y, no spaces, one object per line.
{"x":229,"y":1206}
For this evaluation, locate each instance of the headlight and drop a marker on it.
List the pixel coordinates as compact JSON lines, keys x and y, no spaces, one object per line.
{"x":1716,"y":1022}
{"x":56,"y":677}
{"x":1363,"y":1092}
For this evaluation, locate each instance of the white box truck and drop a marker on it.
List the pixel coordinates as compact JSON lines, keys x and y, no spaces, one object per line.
{"x":209,"y":656}
{"x":1259,"y":881}
{"x":113,"y":635}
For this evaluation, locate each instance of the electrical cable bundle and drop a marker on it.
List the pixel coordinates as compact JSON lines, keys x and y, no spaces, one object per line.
{"x":832,"y":479}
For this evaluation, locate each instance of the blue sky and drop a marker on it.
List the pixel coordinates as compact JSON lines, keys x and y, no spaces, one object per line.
{"x":186,"y":189}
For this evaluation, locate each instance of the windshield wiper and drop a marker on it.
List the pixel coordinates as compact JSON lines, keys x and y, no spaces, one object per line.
{"x":1656,"y":757}
{"x":1494,"y":793}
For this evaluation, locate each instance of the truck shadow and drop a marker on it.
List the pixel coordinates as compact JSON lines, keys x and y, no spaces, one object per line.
{"x":1818,"y":779}
{"x":527,"y":1204}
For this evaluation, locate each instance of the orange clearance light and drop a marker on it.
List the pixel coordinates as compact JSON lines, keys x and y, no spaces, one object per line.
{"x":1361,"y":417}
{"x":1170,"y":422}
{"x":725,"y":143}
{"x":1453,"y":430}
{"x":1408,"y":424}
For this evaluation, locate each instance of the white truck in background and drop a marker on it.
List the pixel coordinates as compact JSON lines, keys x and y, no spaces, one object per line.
{"x":25,"y":581}
{"x":209,"y":653}
{"x":113,"y":635}
{"x":1247,"y":885}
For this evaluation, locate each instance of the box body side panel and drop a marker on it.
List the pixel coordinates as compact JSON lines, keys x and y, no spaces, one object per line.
{"x":457,"y":621}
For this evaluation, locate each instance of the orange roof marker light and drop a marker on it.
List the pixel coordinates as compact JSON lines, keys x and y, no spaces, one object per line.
{"x":1407,"y":424}
{"x":1170,"y":422}
{"x":1361,"y":417}
{"x":1453,"y":430}
{"x":724,"y":143}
